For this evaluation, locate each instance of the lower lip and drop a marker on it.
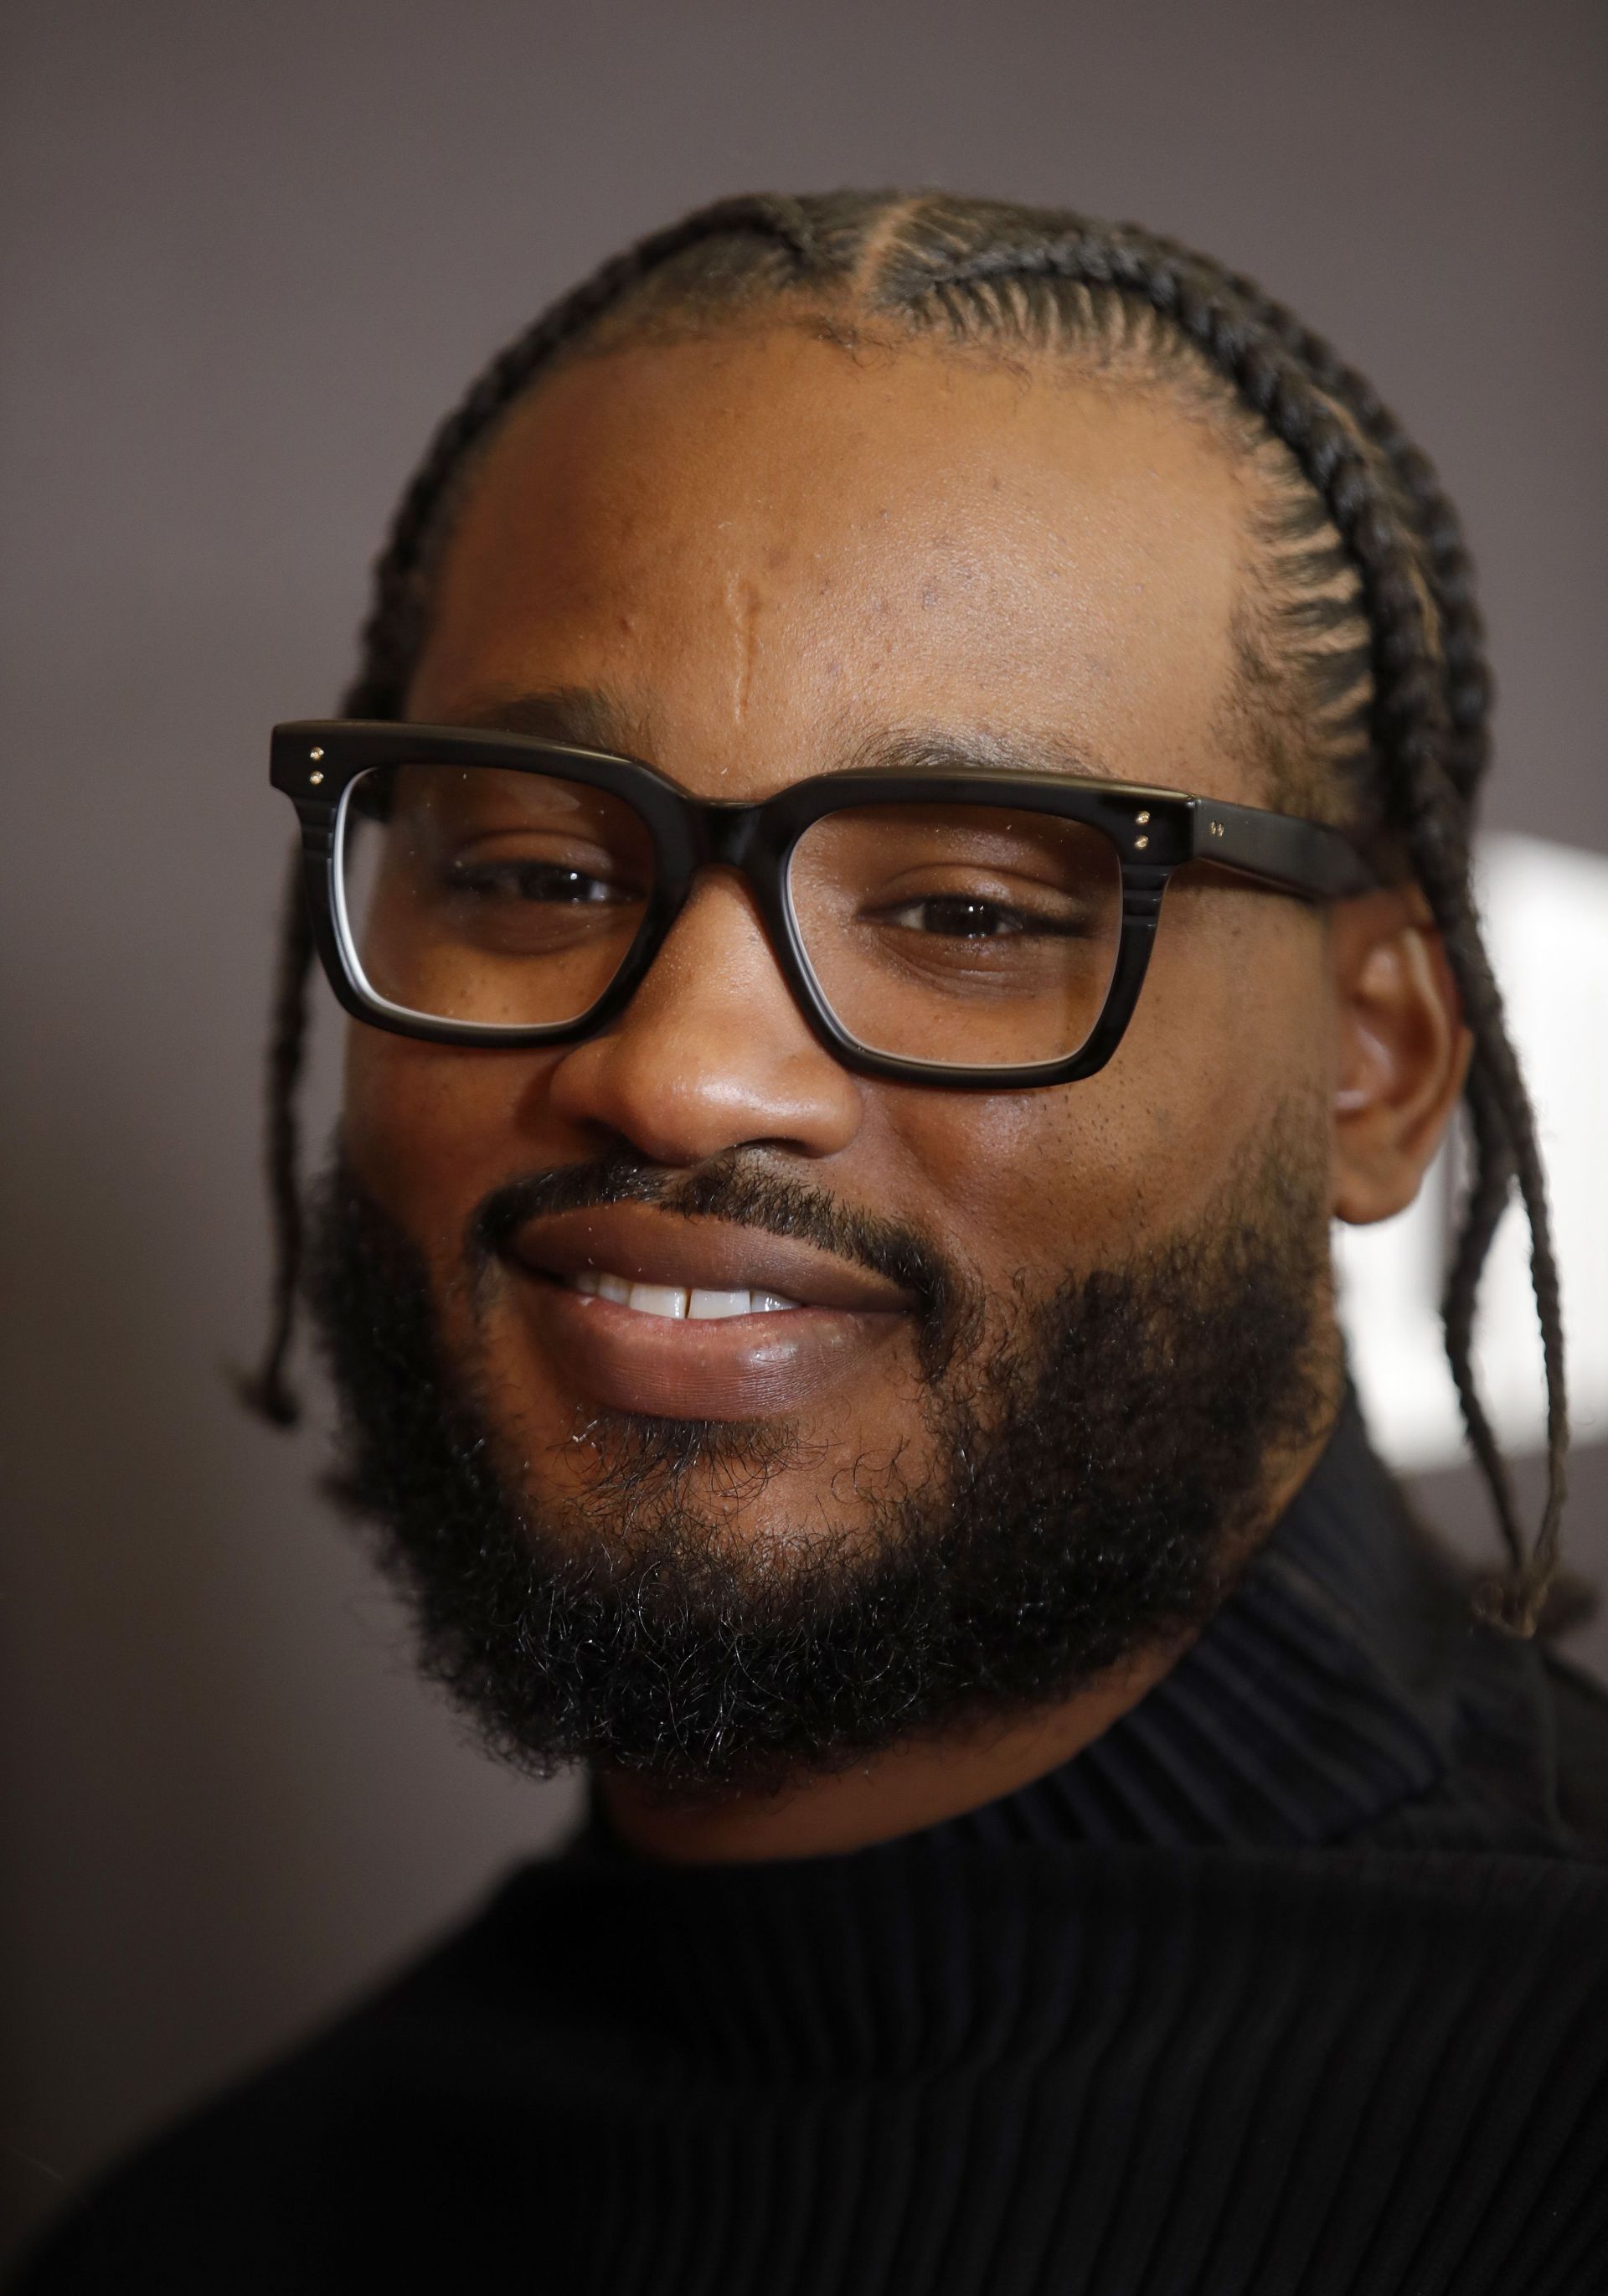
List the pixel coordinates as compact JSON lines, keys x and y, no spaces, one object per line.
{"x":730,"y":1368}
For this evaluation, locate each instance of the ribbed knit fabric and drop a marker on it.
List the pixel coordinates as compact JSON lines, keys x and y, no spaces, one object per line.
{"x":1296,"y":1982}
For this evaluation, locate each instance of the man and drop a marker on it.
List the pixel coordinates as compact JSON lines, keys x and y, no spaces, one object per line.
{"x":899,"y":850}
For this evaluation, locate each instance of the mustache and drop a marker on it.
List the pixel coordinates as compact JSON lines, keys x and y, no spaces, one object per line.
{"x":743,"y":1188}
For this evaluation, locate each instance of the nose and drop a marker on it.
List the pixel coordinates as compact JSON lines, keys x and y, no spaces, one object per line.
{"x":712,"y":1052}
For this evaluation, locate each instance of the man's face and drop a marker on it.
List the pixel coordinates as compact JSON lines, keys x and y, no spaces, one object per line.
{"x":769,"y":554}
{"x":1049,"y":1341}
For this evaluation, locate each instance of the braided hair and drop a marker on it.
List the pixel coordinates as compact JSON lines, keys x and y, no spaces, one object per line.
{"x":1360,"y":656}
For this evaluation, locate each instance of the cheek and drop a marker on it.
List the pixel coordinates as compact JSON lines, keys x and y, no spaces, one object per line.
{"x":429,"y":1128}
{"x":1233,"y":1025}
{"x":1236,"y":1024}
{"x":1034,"y":1182}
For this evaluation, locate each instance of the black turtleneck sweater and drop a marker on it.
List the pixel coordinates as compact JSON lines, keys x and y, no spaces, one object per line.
{"x":1296,"y":1982}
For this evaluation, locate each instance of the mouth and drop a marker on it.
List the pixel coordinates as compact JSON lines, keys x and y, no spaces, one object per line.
{"x":644,"y":1310}
{"x":693,"y":1303}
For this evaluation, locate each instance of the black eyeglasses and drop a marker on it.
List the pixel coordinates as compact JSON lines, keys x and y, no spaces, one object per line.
{"x":978,"y":929}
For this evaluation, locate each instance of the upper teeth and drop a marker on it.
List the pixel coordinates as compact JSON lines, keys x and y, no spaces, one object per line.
{"x":671,"y":1300}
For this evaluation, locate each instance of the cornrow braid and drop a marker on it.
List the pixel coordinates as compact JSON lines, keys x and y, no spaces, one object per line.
{"x":986,"y":272}
{"x":1468,"y":693}
{"x":1267,"y":364}
{"x":266,"y":1391}
{"x":1448,"y":564}
{"x":394,"y":632}
{"x":1495,"y":1106}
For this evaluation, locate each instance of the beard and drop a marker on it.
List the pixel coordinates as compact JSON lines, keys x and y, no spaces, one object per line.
{"x":1097,"y":1465}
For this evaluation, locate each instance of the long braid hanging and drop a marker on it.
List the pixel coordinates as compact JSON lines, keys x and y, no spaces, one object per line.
{"x":1500,"y":1116}
{"x":1431,"y":692}
{"x":1451,"y":576}
{"x":1449,"y":572}
{"x":266,"y":1391}
{"x":1491,"y":1185}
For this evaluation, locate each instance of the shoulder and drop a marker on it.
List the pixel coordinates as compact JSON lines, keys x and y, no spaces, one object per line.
{"x":327,"y":2169}
{"x":1578,"y":1706}
{"x":1530,"y":1724}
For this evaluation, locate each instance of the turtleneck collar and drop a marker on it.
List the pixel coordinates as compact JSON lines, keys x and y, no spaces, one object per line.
{"x":1345,"y":1693}
{"x":1344,"y":1690}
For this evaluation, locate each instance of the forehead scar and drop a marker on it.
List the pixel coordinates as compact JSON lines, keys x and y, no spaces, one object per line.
{"x":742,"y":609}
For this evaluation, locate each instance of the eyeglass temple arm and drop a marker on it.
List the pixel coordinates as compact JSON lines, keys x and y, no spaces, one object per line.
{"x":1280,"y":849}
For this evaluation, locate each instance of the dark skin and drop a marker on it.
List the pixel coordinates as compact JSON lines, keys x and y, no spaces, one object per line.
{"x":768,"y":549}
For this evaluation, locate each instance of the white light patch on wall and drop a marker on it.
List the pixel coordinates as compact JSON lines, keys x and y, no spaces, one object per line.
{"x":1546,"y":910}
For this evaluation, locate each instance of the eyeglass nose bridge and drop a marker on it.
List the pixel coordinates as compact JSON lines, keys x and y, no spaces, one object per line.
{"x":730,"y":834}
{"x":725,"y":832}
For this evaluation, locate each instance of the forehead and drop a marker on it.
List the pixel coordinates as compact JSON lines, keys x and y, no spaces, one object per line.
{"x":772,"y":548}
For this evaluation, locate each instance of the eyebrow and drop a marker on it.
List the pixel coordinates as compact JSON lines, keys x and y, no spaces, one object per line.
{"x":601,"y":718}
{"x":975,"y":749}
{"x":583,"y":716}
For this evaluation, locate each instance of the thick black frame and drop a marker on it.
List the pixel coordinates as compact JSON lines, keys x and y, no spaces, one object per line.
{"x":1155,"y":831}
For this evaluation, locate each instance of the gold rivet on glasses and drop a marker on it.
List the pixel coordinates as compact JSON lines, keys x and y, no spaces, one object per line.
{"x":315,"y":779}
{"x":316,"y":754}
{"x":1140,"y":842}
{"x":1141,"y":818}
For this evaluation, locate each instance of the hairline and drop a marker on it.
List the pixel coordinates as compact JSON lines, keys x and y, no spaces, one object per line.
{"x":843,"y":318}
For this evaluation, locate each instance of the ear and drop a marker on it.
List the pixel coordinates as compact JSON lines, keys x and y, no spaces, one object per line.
{"x":1402,"y":1050}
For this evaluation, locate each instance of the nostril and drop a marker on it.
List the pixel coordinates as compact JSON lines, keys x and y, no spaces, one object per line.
{"x":694,"y":1067}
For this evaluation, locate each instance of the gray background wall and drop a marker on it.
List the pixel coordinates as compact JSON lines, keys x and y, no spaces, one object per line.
{"x":248,"y":254}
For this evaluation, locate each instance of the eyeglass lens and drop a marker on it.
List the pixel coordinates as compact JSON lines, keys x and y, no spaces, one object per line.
{"x":506,"y":899}
{"x":973,"y":936}
{"x":966,"y":935}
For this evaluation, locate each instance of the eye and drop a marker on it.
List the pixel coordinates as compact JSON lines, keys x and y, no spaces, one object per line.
{"x":976,"y":917}
{"x":544,"y":882}
{"x":961,"y":916}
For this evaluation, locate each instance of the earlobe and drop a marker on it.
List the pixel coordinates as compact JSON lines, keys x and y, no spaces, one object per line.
{"x":1402,"y":1052}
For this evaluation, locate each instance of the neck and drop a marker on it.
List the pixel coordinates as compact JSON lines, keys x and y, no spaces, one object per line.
{"x":924,"y":1781}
